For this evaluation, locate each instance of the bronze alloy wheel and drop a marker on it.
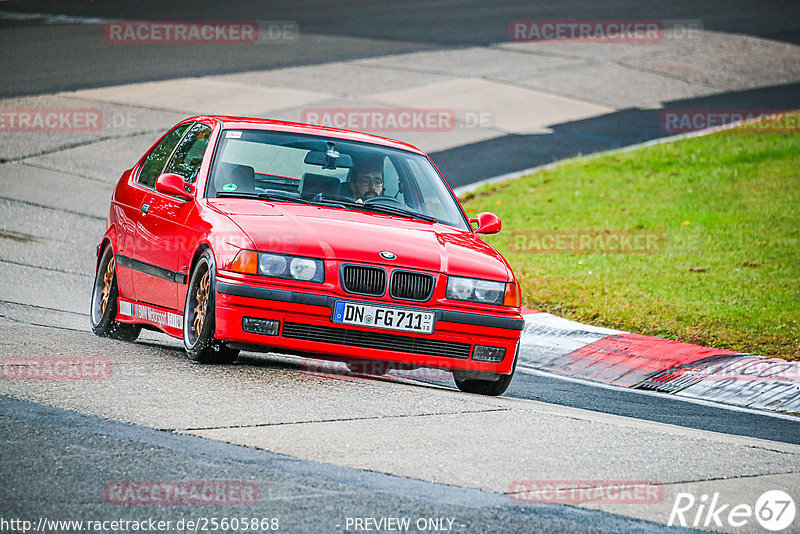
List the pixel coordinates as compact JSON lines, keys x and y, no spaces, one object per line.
{"x":108,"y":277}
{"x":201,"y":296}
{"x":199,"y":316}
{"x":105,"y":300}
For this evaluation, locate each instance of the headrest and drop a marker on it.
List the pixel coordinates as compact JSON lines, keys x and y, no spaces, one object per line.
{"x":313,"y":184}
{"x":243,"y":176}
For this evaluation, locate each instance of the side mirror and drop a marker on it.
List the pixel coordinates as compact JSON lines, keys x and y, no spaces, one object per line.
{"x":172,"y":184}
{"x":488,"y":223}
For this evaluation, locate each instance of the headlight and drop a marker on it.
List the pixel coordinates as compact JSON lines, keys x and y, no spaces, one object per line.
{"x":475,"y":290}
{"x":485,"y":291}
{"x":279,"y":266}
{"x":460,"y":288}
{"x":489,"y":292}
{"x":271,"y":264}
{"x":303,"y":268}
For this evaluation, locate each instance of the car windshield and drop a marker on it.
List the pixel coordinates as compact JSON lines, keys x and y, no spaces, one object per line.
{"x":281,"y":167}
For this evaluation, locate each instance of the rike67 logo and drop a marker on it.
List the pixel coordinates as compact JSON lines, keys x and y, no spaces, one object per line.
{"x":774,"y":510}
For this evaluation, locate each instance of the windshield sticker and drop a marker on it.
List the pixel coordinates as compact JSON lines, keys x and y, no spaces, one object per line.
{"x":233,"y":135}
{"x":230,"y":187}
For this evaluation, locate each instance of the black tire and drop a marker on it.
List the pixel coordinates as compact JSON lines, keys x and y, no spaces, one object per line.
{"x":494,"y":384}
{"x":368,"y":367}
{"x":103,"y":315}
{"x":201,"y":346}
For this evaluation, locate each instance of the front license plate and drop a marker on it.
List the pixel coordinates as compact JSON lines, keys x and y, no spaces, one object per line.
{"x":383,"y":317}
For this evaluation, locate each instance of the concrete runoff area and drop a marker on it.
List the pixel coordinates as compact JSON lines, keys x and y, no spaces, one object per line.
{"x":519,"y":87}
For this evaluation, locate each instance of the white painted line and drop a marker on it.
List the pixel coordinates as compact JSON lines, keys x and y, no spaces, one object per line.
{"x":549,"y":323}
{"x":539,"y":372}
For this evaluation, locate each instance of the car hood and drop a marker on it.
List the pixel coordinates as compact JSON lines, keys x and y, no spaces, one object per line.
{"x":356,"y":236}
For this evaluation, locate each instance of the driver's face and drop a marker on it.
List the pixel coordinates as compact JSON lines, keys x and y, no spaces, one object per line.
{"x":369,"y":184}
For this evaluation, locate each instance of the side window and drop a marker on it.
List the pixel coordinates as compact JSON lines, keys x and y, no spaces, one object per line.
{"x":157,"y":158}
{"x":189,"y":154}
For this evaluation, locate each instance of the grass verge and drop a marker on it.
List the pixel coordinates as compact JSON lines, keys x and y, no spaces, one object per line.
{"x":725,"y":271}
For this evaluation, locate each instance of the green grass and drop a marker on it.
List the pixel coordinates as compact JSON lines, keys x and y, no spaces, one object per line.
{"x":728,"y":272}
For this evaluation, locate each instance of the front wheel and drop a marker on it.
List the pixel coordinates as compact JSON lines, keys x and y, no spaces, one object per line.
{"x":484,"y":383}
{"x":105,"y":294}
{"x":198,"y":316}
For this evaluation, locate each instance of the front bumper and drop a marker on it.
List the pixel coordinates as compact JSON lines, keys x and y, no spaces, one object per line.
{"x":306,"y":327}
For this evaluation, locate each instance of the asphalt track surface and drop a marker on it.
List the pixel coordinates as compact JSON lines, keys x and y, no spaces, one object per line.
{"x":57,"y":58}
{"x":54,"y":459}
{"x":305,"y":496}
{"x":45,"y":56}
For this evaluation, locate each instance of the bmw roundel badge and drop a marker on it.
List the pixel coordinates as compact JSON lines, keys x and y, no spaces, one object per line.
{"x":386,"y":255}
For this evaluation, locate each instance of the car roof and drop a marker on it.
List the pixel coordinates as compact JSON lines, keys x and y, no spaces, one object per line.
{"x":252,"y":123}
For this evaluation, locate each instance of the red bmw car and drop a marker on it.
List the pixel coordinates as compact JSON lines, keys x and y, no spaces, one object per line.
{"x":249,"y":234}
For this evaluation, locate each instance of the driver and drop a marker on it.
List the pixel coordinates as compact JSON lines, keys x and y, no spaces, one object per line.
{"x":367,"y":180}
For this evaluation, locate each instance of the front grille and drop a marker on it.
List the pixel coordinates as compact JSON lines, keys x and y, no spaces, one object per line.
{"x":411,"y":286}
{"x":364,"y":280}
{"x":376,"y":340}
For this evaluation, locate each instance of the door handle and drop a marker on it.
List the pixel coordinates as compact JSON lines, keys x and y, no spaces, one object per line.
{"x":145,"y":208}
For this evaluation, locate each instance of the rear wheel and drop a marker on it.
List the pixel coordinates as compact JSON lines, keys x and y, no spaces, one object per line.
{"x":105,"y":293}
{"x":484,"y":383}
{"x":198,"y":316}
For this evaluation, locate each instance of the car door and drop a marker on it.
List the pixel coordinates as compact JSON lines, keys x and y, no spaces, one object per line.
{"x":132,"y":206}
{"x":162,"y":232}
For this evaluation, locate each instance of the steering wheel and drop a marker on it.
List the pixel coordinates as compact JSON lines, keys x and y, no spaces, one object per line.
{"x":383,"y":199}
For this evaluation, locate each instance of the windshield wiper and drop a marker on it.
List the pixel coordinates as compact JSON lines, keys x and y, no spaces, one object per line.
{"x":400,"y":211}
{"x":234,"y":194}
{"x":283,"y":198}
{"x":380,"y":208}
{"x":261,"y":196}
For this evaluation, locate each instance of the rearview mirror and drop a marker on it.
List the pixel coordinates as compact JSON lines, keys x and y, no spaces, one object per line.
{"x":328,"y":160}
{"x":172,"y":184}
{"x":488,"y":223}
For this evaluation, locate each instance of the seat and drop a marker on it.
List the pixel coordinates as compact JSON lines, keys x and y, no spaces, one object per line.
{"x":313,"y":184}
{"x":243,"y":176}
{"x":346,"y":191}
